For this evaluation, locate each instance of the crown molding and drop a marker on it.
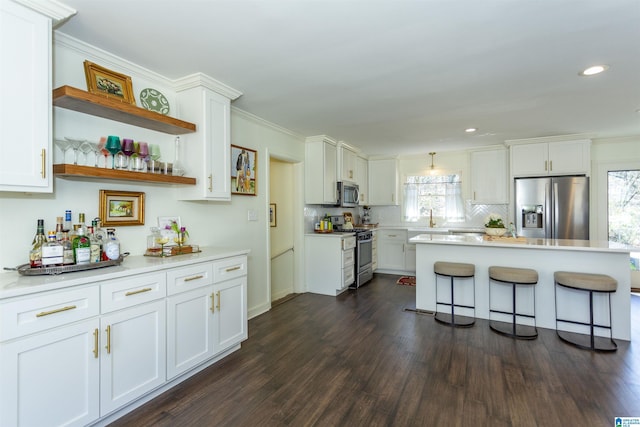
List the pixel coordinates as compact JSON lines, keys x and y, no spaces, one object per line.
{"x":556,"y":138}
{"x":55,"y":10}
{"x":203,"y":80}
{"x":266,"y":123}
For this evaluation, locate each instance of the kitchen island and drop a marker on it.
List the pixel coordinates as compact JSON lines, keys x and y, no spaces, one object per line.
{"x":545,"y":256}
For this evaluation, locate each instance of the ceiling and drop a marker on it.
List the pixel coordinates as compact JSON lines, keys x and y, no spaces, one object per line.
{"x":394,"y":76}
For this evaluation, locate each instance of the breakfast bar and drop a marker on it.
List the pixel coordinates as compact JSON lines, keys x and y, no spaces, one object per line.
{"x":546,"y":256}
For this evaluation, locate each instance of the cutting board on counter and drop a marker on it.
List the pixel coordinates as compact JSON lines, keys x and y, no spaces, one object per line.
{"x":505,"y":239}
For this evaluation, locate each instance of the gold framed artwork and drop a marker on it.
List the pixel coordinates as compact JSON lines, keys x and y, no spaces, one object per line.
{"x":273,"y":219}
{"x":244,"y":166}
{"x":120,"y":208}
{"x":105,"y":82}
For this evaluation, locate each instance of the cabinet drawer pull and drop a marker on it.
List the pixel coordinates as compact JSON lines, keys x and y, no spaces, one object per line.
{"x":218,"y":306}
{"x":213,"y":302}
{"x":188,"y":279}
{"x":139,"y":291}
{"x":57,"y":310}
{"x":392,"y":235}
{"x":108,"y":346}
{"x":95,"y":343}
{"x":237,"y":267}
{"x":210,"y":183}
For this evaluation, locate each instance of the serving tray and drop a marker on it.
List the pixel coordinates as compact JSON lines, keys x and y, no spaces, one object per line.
{"x":27,"y":270}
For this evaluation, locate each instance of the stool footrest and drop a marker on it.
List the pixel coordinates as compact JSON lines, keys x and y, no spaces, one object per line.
{"x":585,"y":341}
{"x":524,"y":332}
{"x":459,"y":321}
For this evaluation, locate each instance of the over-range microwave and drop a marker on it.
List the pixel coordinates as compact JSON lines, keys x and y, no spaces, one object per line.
{"x":348,"y":194}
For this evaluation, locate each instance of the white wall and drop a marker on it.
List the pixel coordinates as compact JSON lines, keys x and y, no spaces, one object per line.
{"x":209,"y":224}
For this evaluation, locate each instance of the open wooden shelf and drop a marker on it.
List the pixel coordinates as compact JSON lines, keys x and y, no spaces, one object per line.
{"x":75,"y":99}
{"x":84,"y":172}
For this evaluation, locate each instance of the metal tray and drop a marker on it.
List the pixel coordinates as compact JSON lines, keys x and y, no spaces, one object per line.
{"x":26,"y":270}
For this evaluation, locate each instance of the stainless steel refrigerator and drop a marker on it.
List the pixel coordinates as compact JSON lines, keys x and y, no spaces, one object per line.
{"x":552,"y":208}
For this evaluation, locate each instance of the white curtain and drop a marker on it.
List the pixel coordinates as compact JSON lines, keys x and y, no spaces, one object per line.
{"x":411,"y":211}
{"x":453,"y":202}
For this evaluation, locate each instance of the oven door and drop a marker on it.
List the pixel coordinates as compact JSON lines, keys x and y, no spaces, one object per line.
{"x":364,"y":258}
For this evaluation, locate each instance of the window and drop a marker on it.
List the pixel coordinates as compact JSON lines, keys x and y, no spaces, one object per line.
{"x":441,"y":194}
{"x":624,"y":210}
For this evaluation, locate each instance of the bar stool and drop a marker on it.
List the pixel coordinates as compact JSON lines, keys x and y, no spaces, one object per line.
{"x":598,"y":283}
{"x":514,"y":277}
{"x":455,"y":270}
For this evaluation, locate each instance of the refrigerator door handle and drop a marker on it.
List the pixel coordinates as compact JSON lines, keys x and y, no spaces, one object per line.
{"x":556,"y":212}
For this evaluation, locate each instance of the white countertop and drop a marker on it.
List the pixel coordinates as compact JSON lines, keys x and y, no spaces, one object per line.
{"x":552,"y":244}
{"x":13,"y":284}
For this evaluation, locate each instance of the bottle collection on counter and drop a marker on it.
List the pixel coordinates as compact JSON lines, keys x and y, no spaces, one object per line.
{"x":79,"y":245}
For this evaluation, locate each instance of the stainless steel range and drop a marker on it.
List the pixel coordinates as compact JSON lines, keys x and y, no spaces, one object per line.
{"x":363,"y":251}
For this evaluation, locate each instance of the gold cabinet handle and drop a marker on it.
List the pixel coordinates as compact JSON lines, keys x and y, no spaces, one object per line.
{"x":108,"y":346}
{"x":213,"y":302}
{"x":139,"y":291}
{"x":57,"y":310}
{"x":188,"y":279}
{"x":550,"y":165}
{"x":95,"y":343}
{"x":237,"y":267}
{"x":218,"y":306}
{"x":43,"y":158}
{"x":545,"y":165}
{"x":210,"y":183}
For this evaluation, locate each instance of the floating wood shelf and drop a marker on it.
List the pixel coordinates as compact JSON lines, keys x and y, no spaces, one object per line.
{"x":84,"y":172}
{"x":75,"y":99}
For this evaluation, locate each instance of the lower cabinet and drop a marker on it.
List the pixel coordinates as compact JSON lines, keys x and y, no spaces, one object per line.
{"x":70,"y":357}
{"x":395,"y":253}
{"x":329,"y":263}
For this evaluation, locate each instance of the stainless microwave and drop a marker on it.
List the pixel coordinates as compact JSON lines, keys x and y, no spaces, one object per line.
{"x":348,"y":194}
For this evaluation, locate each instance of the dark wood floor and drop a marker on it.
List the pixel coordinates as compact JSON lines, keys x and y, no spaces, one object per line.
{"x":360,"y":359}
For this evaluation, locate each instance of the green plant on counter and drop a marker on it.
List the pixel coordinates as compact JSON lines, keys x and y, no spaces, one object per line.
{"x":494,"y":221}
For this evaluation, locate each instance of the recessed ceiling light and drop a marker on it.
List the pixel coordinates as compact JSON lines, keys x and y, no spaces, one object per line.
{"x":591,"y":71}
{"x":470,"y":130}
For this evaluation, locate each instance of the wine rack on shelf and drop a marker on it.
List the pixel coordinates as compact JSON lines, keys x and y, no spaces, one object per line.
{"x":100,"y":106}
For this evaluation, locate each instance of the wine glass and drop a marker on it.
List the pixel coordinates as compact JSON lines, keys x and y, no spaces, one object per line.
{"x":85,"y":148}
{"x":143,"y":154}
{"x":162,"y":240}
{"x":63,"y":145}
{"x":103,"y":150}
{"x":95,"y":149}
{"x":75,"y":145}
{"x":113,"y":146}
{"x":154,"y":154}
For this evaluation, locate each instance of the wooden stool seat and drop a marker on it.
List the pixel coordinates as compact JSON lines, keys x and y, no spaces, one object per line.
{"x":454,"y":270}
{"x":592,"y":283}
{"x":515,"y":277}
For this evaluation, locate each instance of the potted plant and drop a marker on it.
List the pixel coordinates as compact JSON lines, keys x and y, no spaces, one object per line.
{"x":494,"y":226}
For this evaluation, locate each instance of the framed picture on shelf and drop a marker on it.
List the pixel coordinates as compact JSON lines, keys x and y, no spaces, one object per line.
{"x":105,"y":82}
{"x":120,"y":208}
{"x":244,"y":165}
{"x":273,"y":220}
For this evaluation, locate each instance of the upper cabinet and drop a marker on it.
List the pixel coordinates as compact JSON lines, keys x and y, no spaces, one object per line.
{"x":320,"y":171}
{"x":362,"y":178}
{"x":383,"y":182}
{"x":25,"y":104}
{"x":551,"y":158}
{"x":348,"y":165}
{"x":208,"y":152}
{"x":489,"y":177}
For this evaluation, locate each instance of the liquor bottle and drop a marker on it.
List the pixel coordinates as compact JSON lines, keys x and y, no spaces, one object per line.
{"x":82,"y":224}
{"x":59,"y":228}
{"x":52,"y":251}
{"x":35,"y":255}
{"x":67,"y":221}
{"x":112,"y":246}
{"x":67,"y":249}
{"x":81,"y":246}
{"x":95,"y":245}
{"x":99,"y":232}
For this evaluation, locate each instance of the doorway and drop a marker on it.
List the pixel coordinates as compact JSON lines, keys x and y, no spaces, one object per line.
{"x":282,"y":228}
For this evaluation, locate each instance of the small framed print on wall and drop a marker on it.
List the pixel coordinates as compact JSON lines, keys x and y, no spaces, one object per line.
{"x":120,"y":208}
{"x":244,"y":165}
{"x":273,"y":219}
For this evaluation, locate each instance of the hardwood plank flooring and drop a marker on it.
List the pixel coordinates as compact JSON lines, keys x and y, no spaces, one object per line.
{"x":360,"y":359}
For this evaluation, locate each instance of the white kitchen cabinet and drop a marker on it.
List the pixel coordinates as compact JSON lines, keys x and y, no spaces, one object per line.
{"x":383,"y":182}
{"x":374,"y":250}
{"x":489,"y":177}
{"x":410,"y":257}
{"x":320,"y":171}
{"x":25,"y":104}
{"x":551,"y":158}
{"x":329,"y":262}
{"x":348,"y":158}
{"x":391,"y":249}
{"x":362,"y":179}
{"x":207,"y":151}
{"x":231,"y":312}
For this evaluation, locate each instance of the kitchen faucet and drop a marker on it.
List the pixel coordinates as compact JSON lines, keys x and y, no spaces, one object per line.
{"x":432,"y":223}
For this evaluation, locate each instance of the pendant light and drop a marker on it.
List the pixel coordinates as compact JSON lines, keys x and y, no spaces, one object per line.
{"x":433,"y":169}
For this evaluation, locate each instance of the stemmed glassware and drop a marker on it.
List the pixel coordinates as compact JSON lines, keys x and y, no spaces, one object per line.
{"x":154,"y":154}
{"x":162,"y":240}
{"x":113,"y":146}
{"x":102,"y":147}
{"x":96,"y":152}
{"x":85,"y":148}
{"x":75,"y":145}
{"x":143,"y":153}
{"x":63,"y":145}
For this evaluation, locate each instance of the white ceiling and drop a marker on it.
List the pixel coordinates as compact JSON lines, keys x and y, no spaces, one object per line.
{"x":394,"y":76}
